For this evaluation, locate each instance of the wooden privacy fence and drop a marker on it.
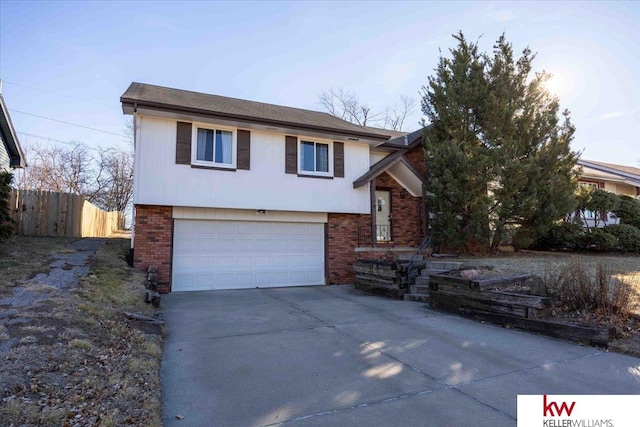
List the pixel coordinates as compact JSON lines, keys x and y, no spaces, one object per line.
{"x":46,"y":213}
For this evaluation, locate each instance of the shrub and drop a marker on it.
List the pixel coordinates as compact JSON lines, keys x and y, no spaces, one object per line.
{"x":599,"y":240}
{"x":559,"y":236}
{"x":523,"y":238}
{"x":579,"y":288}
{"x":628,"y":237}
{"x":5,"y":214}
{"x":628,"y":211}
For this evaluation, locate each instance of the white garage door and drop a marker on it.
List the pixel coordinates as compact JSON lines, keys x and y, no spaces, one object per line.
{"x":243,"y":254}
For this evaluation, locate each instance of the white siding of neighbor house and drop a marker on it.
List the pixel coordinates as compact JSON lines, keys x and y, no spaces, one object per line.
{"x":158,"y":180}
{"x":4,"y":157}
{"x":620,"y":188}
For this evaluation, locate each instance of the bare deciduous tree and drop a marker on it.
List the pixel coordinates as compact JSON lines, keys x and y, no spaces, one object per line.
{"x":398,"y":113}
{"x":346,"y":105}
{"x":103,"y":177}
{"x":64,"y":169}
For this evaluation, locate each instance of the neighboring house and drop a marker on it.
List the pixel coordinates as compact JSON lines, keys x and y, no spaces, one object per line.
{"x":230,"y":193}
{"x":618,"y":179}
{"x":11,"y":155}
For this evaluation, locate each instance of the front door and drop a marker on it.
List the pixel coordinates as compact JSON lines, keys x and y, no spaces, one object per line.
{"x":383,"y":216}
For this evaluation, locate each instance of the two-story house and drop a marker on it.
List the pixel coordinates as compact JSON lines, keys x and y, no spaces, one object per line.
{"x":230,"y":193}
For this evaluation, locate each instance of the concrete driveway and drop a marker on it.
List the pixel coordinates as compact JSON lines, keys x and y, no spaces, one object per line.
{"x":332,"y":355}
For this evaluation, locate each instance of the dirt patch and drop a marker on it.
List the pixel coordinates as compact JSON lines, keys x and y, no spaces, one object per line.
{"x":72,"y":358}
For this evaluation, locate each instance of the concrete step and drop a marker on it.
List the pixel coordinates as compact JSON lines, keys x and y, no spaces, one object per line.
{"x":444,"y":265}
{"x":422,"y":281}
{"x":416,"y":297}
{"x":425,"y":272}
{"x":408,"y":257}
{"x":419,"y":289}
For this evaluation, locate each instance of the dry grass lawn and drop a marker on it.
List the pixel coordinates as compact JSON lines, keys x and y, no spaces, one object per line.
{"x":75,"y":360}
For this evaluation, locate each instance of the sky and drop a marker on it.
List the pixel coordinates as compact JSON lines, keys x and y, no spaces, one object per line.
{"x":70,"y":61}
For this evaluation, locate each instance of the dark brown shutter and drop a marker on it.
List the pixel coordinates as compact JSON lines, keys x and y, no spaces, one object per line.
{"x":291,"y":155}
{"x":183,"y":143}
{"x":338,"y":159}
{"x":244,"y":150}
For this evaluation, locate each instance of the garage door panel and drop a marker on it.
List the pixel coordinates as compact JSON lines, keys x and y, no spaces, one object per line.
{"x":212,"y":254}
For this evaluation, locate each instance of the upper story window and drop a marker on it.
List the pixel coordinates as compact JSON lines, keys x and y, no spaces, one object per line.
{"x":314,"y":157}
{"x":593,"y":185}
{"x":214,"y":147}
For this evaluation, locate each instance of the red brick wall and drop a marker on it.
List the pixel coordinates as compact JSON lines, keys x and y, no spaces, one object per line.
{"x":416,"y":158}
{"x":152,"y":241}
{"x":406,"y":213}
{"x":342,"y":240}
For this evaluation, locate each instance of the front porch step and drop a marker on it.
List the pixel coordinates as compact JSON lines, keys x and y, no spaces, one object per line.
{"x":408,"y":257}
{"x":444,"y":265}
{"x":422,"y":281}
{"x":419,"y":289}
{"x":426,"y":272}
{"x":417,"y":297}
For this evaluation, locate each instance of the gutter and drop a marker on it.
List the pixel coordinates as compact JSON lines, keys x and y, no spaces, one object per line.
{"x":164,"y":107}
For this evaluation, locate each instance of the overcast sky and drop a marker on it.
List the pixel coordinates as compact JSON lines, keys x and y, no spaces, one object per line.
{"x":83,"y":55}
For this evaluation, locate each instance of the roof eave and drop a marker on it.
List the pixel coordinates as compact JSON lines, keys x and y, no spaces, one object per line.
{"x":632,"y":177}
{"x":129,"y":104}
{"x":17,"y":159}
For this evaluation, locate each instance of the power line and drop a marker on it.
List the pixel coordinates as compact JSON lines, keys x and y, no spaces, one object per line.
{"x":45,"y":138}
{"x":61,"y":94}
{"x":67,"y":123}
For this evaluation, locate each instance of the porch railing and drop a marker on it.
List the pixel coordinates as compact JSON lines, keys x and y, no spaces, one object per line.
{"x":383,"y":233}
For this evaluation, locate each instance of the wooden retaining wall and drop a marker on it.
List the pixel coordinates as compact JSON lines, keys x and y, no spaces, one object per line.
{"x":483,"y":300}
{"x":390,"y":278}
{"x":52,"y":214}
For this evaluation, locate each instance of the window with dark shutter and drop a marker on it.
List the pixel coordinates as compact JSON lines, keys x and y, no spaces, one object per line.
{"x":183,"y":143}
{"x":291,"y":155}
{"x":244,"y":150}
{"x":338,"y":159}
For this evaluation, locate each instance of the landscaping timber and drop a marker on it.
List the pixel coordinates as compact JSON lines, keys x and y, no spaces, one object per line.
{"x":596,"y":336}
{"x":482,"y":298}
{"x":389,"y":278}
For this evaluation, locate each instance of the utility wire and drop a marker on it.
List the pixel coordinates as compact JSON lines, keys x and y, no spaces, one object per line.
{"x":61,"y":94}
{"x":66,"y":123}
{"x":47,"y":138}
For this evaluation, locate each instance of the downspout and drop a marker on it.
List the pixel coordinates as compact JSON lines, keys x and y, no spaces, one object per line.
{"x":133,"y":207}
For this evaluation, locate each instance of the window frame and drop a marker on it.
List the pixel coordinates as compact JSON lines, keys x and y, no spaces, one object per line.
{"x":330,"y":159}
{"x":213,"y":164}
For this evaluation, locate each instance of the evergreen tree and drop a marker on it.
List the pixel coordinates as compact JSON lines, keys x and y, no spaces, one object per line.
{"x":457,"y":164}
{"x":5,"y":215}
{"x":497,"y":151}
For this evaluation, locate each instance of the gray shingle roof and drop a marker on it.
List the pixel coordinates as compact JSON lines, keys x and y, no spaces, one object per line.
{"x":239,"y":109}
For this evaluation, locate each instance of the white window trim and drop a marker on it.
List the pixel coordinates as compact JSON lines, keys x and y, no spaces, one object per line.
{"x":301,"y":171}
{"x":213,"y":164}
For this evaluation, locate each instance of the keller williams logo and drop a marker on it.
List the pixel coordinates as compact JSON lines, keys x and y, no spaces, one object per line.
{"x":548,"y":408}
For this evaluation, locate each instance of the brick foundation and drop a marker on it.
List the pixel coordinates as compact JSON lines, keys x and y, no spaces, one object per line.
{"x":342,"y":241}
{"x":152,"y":241}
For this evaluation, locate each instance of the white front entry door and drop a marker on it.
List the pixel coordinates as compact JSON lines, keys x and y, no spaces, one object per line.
{"x":383,"y":216}
{"x":210,"y":254}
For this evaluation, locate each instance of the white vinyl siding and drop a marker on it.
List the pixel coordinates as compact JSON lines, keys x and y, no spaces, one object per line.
{"x":5,"y":162}
{"x":160,"y":181}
